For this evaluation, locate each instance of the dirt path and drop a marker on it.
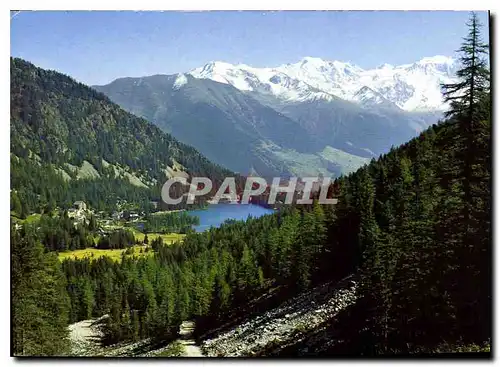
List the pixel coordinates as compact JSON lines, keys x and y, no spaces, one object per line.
{"x":85,"y":341}
{"x":190,"y":348}
{"x":85,"y":336}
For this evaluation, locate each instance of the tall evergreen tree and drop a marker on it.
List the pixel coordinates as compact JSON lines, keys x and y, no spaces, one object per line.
{"x":39,"y":299}
{"x":469,"y":107}
{"x":465,"y":96}
{"x":466,"y":106}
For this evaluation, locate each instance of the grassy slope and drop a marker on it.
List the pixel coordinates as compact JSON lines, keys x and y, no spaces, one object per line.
{"x":116,"y":254}
{"x":93,"y":253}
{"x":328,"y":162}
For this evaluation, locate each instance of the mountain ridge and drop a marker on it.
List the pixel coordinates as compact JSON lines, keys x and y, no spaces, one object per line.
{"x":213,"y":117}
{"x":69,"y":142}
{"x":278,"y":121}
{"x":411,"y":87}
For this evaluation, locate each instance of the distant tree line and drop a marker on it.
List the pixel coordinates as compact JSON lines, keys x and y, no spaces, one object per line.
{"x":57,"y":123}
{"x":179,"y":222}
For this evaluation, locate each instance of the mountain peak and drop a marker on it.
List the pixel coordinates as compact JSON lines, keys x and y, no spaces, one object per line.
{"x":218,"y":71}
{"x":311,"y":60}
{"x":413,"y":86}
{"x":438,"y":59}
{"x":211,"y":66}
{"x":385,"y":66}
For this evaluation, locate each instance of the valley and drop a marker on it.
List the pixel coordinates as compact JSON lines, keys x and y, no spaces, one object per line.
{"x":392,"y":257}
{"x":279,"y":121}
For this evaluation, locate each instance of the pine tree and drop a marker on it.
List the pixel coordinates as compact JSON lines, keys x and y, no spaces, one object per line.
{"x":15,"y":203}
{"x":39,"y":299}
{"x":285,"y":250}
{"x":465,"y":96}
{"x":368,"y":227}
{"x":126,"y":322}
{"x":221,"y":296}
{"x":469,"y":107}
{"x":302,"y":254}
{"x":318,"y":241}
{"x":87,"y":299}
{"x":247,"y":270}
{"x":135,"y":325}
{"x":466,"y":106}
{"x":92,"y":223}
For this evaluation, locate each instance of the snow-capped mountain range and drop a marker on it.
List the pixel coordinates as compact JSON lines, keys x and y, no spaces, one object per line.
{"x":410,"y":87}
{"x":313,"y":116}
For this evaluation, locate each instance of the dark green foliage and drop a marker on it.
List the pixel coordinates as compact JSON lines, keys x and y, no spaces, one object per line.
{"x":62,"y":233}
{"x":474,"y":84}
{"x":40,"y":303}
{"x":206,"y":276}
{"x":423,"y":220}
{"x":56,"y":121}
{"x":169,"y":223}
{"x":117,"y":239}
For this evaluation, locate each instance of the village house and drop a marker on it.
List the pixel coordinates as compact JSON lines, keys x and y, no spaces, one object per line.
{"x":79,"y":205}
{"x":78,"y":212}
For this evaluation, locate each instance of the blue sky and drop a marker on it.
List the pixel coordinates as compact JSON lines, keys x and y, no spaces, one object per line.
{"x":98,"y":47}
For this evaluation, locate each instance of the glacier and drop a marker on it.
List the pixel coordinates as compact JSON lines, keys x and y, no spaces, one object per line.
{"x":409,"y":87}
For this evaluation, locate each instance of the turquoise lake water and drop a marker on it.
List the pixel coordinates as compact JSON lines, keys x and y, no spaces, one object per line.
{"x":216,"y":214}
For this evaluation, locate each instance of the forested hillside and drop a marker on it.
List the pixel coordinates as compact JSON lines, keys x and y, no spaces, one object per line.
{"x":69,"y":142}
{"x":421,"y":218}
{"x":217,"y":119}
{"x":398,"y":223}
